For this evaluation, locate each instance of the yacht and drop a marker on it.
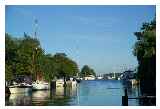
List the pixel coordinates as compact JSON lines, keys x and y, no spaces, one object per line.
{"x":40,"y":85}
{"x":99,"y":77}
{"x":20,"y":88}
{"x":90,"y":77}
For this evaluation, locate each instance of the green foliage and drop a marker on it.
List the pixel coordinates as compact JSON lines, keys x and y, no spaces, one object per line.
{"x":145,"y":47}
{"x":10,"y":56}
{"x":65,"y":66}
{"x":86,"y":70}
{"x":24,"y":56}
{"x":47,"y":66}
{"x":8,"y":70}
{"x":145,"y":51}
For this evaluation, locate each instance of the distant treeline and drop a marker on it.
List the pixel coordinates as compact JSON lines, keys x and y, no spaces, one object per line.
{"x":24,"y":56}
{"x":145,"y":51}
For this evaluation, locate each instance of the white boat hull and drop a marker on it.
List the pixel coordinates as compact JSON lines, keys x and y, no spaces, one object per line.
{"x":89,"y":78}
{"x":59,"y":83}
{"x":40,"y":86}
{"x":99,"y":77}
{"x":19,"y":90}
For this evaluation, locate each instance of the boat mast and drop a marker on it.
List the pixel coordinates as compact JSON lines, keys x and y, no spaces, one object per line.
{"x":35,"y":28}
{"x":35,"y":50}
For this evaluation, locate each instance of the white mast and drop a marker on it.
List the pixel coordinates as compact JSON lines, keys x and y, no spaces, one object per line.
{"x":35,"y":28}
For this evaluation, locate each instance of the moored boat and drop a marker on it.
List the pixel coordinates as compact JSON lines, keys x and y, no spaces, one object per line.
{"x":20,"y":88}
{"x":90,"y":77}
{"x":40,"y":85}
{"x":99,"y":77}
{"x":60,"y":83}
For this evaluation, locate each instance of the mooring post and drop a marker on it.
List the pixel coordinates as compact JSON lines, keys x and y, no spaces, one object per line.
{"x":125,"y":99}
{"x":52,"y":85}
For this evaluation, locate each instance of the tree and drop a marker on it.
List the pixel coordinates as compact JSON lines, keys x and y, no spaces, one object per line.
{"x":28,"y":52}
{"x":47,"y":65}
{"x":145,"y":51}
{"x":86,"y":71}
{"x":65,"y":67}
{"x":10,"y":56}
{"x":20,"y":54}
{"x":8,"y":74}
{"x":24,"y":56}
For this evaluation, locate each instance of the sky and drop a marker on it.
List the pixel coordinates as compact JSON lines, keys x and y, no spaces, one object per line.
{"x":99,"y":36}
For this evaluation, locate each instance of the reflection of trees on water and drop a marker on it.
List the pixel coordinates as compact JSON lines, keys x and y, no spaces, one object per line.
{"x":147,"y":101}
{"x":132,"y":91}
{"x":19,"y":100}
{"x":135,"y":91}
{"x":62,"y":95}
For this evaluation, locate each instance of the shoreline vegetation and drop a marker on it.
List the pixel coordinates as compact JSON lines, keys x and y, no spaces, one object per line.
{"x":145,"y":51}
{"x":24,"y":56}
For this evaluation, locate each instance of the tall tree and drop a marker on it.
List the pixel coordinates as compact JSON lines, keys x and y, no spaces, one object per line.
{"x":28,"y":53}
{"x":21,"y":54}
{"x":145,"y":51}
{"x":11,"y":47}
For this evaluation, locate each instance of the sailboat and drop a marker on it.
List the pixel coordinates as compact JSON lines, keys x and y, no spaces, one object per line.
{"x":40,"y":84}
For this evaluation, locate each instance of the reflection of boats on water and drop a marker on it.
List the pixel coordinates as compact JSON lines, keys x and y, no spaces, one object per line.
{"x":20,"y":88}
{"x":20,"y":99}
{"x":59,"y":91}
{"x":65,"y":91}
{"x":40,"y":94}
{"x":62,"y":90}
{"x":40,"y":97}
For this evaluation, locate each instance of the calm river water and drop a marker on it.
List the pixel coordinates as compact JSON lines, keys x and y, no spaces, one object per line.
{"x":88,"y":93}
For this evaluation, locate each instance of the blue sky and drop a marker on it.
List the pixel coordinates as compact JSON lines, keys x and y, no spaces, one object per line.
{"x":99,"y":36}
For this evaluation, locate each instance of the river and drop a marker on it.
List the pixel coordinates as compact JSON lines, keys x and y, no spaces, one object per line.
{"x":87,"y":93}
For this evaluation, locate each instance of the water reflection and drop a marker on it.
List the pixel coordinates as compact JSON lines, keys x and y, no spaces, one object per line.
{"x":133,"y":91}
{"x":59,"y":96}
{"x":87,"y":93}
{"x":40,"y":98}
{"x":20,"y":99}
{"x":62,"y":96}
